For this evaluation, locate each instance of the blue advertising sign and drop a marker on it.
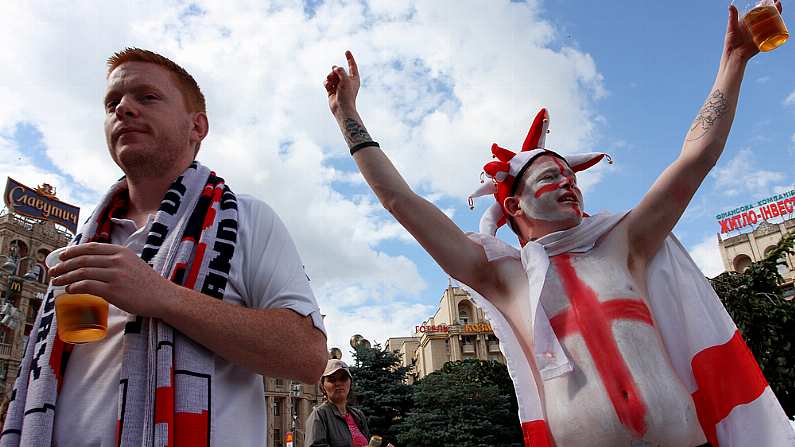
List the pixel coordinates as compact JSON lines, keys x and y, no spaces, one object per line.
{"x":40,"y":203}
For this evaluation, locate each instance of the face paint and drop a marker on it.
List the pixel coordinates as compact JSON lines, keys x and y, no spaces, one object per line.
{"x":550,"y":192}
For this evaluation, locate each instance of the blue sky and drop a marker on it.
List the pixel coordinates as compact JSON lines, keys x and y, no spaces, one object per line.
{"x":442,"y":81}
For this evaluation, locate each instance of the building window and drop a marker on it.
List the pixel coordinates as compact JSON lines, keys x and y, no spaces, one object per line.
{"x":278,"y":382}
{"x":467,"y":345}
{"x":741,"y":263}
{"x":277,"y":437}
{"x":788,"y":292}
{"x":277,"y":407}
{"x":465,"y":312}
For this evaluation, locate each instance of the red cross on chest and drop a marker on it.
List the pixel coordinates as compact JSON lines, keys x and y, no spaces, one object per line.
{"x":592,"y":319}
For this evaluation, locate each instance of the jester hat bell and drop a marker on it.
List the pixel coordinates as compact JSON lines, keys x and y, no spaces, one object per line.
{"x":509,"y":167}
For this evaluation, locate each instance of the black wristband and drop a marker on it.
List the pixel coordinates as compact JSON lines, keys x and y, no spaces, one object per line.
{"x":359,"y":146}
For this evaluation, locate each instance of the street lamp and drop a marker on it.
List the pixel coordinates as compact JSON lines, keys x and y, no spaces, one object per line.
{"x":13,"y":263}
{"x":359,"y":342}
{"x":295,"y":393}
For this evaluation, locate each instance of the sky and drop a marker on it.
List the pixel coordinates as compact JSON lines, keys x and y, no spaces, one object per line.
{"x":442,"y":81}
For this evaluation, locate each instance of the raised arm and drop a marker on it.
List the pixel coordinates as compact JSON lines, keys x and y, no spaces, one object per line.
{"x":441,"y":238}
{"x":660,"y":209}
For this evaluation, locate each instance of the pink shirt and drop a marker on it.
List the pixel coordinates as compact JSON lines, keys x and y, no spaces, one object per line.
{"x":358,"y":438}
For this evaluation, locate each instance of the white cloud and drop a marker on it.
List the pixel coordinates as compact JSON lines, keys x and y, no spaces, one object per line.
{"x":435,"y":94}
{"x":376,"y":323}
{"x":740,"y":175}
{"x":707,"y":256}
{"x":790,"y":100}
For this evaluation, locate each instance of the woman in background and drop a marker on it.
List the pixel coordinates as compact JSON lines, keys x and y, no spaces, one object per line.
{"x":334,"y":423}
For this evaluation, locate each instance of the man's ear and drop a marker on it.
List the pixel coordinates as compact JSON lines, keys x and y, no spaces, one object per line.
{"x":511,"y":205}
{"x":199,"y":129}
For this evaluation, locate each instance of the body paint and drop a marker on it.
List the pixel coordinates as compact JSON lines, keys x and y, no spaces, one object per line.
{"x":591,"y":319}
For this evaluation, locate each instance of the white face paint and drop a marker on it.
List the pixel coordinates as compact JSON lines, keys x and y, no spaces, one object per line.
{"x":550,"y":192}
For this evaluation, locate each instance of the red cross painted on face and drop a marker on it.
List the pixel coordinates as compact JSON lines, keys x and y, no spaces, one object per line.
{"x":591,"y":319}
{"x":568,"y":181}
{"x":567,"y":176}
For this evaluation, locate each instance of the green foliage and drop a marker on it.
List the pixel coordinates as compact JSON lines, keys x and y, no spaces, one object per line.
{"x":468,"y":403}
{"x":379,"y":389}
{"x":767,"y":322}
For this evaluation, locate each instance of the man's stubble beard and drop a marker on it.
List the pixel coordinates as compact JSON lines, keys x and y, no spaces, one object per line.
{"x":152,"y":161}
{"x":557,"y":216}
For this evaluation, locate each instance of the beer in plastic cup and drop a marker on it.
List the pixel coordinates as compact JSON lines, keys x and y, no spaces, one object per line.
{"x":765,"y":24}
{"x":82,"y":318}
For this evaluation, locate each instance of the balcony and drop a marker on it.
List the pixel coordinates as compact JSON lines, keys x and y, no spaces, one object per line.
{"x":468,"y":349}
{"x":494,"y":347}
{"x":5,"y":349}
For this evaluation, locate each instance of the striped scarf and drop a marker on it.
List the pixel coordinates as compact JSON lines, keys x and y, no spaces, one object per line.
{"x":166,"y":378}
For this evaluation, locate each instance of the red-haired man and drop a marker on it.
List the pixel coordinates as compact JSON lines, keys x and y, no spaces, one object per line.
{"x":204,"y":287}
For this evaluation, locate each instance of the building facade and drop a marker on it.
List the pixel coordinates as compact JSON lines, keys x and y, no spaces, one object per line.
{"x":738,"y":252}
{"x":458,"y":330}
{"x":289,"y":404}
{"x":24,"y":243}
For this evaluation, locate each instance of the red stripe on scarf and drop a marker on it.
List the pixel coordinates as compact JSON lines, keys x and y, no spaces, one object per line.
{"x":196,"y":265}
{"x":536,"y":434}
{"x":727,"y":376}
{"x":164,"y":409}
{"x":58,"y":358}
{"x":117,"y":208}
{"x":193,"y":429}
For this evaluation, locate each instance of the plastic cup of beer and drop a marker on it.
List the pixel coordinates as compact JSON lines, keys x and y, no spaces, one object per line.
{"x":765,"y":24}
{"x":81,"y":318}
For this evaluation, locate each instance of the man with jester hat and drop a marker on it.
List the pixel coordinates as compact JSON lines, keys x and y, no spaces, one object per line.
{"x":612,"y":335}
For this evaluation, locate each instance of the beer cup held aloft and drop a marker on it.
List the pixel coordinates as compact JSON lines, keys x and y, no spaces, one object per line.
{"x":766,"y":25}
{"x":82,"y":318}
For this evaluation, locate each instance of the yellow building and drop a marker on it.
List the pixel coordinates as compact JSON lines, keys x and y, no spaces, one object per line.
{"x":458,"y":330}
{"x":738,"y":252}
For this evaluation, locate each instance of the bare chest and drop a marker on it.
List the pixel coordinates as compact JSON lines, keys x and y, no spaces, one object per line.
{"x":623,"y":389}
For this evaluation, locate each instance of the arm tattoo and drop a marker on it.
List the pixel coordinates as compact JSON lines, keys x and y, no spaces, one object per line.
{"x":354,"y":132}
{"x":714,"y":108}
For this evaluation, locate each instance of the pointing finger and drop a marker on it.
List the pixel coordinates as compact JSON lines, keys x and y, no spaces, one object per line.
{"x":352,"y":67}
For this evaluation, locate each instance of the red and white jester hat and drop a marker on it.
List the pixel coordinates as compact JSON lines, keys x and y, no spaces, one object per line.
{"x":510,"y":166}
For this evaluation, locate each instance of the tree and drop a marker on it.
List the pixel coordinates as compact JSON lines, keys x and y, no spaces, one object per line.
{"x":767,"y":322}
{"x":380,"y":390}
{"x":468,"y":403}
